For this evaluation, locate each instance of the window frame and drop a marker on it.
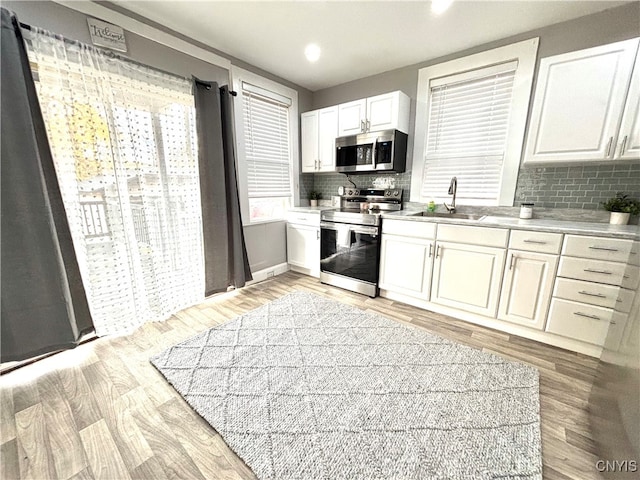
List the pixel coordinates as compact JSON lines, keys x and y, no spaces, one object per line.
{"x":240,"y":75}
{"x":525,"y":53}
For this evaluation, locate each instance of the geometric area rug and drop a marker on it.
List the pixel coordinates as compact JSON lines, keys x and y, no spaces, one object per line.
{"x":306,"y":387}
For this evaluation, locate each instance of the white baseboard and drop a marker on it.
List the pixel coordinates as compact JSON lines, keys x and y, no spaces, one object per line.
{"x":502,"y":326}
{"x":268,"y":272}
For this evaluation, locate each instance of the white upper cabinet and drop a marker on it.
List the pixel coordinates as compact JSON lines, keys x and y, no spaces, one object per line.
{"x":382,"y":112}
{"x":352,"y":117}
{"x":309,"y":141}
{"x":319,"y":131}
{"x":327,"y":133}
{"x":579,"y":103}
{"x":629,"y":137}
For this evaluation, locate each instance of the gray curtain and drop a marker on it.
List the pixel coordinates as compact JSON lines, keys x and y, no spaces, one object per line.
{"x":225,"y":255}
{"x":44,"y":306}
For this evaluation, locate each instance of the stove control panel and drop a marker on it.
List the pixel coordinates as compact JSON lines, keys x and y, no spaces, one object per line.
{"x":373,"y":193}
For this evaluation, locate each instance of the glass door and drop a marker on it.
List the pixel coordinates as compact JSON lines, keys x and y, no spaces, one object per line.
{"x":352,"y":251}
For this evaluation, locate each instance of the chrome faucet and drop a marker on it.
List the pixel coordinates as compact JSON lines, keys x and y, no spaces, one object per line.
{"x":453,"y":188}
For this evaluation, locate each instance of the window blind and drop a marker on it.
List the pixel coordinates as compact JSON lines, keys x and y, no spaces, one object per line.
{"x":468,"y":124}
{"x":267,"y":143}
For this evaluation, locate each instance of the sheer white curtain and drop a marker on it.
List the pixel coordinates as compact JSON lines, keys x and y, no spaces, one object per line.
{"x":124,"y":146}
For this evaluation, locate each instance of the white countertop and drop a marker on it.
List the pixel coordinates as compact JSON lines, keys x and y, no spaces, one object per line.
{"x":541,"y":224}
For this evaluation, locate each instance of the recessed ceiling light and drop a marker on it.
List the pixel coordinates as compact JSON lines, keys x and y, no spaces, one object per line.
{"x":312,"y":52}
{"x":439,"y":6}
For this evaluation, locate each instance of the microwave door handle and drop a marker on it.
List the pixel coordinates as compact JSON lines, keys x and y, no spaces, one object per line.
{"x":373,"y":154}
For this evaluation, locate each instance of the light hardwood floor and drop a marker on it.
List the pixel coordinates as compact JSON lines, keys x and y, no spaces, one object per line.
{"x":102,"y":410}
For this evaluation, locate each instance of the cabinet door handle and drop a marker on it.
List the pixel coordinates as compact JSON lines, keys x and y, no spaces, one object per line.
{"x":317,"y":234}
{"x":362,"y":126}
{"x":606,"y":249}
{"x":586,"y":315}
{"x":438,"y":251}
{"x":623,"y":146}
{"x":603,"y":272}
{"x":368,"y":127}
{"x":599,"y":295}
{"x":430,"y":249}
{"x":609,"y":147}
{"x":513,"y":257}
{"x":537,"y":242}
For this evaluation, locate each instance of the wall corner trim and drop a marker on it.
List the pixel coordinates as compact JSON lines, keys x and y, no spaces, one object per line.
{"x":140,"y":28}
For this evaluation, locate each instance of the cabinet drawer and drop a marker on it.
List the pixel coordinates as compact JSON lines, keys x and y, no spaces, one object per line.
{"x":598,"y":248}
{"x":488,"y":237}
{"x":535,"y":241}
{"x":579,"y":321}
{"x":611,"y":273}
{"x":303,"y":218}
{"x":608,"y":296}
{"x":408,"y":228}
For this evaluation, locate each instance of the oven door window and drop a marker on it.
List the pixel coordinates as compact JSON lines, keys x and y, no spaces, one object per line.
{"x":354,"y":254}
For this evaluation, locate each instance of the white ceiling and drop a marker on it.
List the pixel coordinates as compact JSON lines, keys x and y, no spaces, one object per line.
{"x":357,"y":38}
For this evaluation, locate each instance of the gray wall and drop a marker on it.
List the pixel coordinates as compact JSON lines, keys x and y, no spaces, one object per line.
{"x":549,"y":186}
{"x":266,"y":243}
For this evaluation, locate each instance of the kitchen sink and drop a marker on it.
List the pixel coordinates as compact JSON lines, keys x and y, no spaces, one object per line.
{"x":457,"y":216}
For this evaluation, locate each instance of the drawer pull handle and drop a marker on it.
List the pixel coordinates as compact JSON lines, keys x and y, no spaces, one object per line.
{"x":591,"y":270}
{"x":586,"y":315}
{"x":612,"y":322}
{"x":606,"y":249}
{"x":537,"y":242}
{"x":599,"y":295}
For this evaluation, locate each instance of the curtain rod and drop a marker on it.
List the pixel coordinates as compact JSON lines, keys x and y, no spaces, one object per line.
{"x":28,"y":27}
{"x":207,"y":84}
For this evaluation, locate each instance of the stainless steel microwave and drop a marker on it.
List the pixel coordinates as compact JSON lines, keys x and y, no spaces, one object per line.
{"x":384,"y":151}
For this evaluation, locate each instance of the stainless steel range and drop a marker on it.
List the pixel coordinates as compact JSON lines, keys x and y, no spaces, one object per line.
{"x":350,"y":238}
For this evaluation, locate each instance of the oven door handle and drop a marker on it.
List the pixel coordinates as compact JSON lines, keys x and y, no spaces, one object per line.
{"x":352,"y":228}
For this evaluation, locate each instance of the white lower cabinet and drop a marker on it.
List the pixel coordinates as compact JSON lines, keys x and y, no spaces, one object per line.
{"x":303,"y":247}
{"x":579,"y":321}
{"x":594,"y":290}
{"x":527,"y":288}
{"x":572,"y":291}
{"x":467,"y":277}
{"x":405,"y":265}
{"x":303,"y":243}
